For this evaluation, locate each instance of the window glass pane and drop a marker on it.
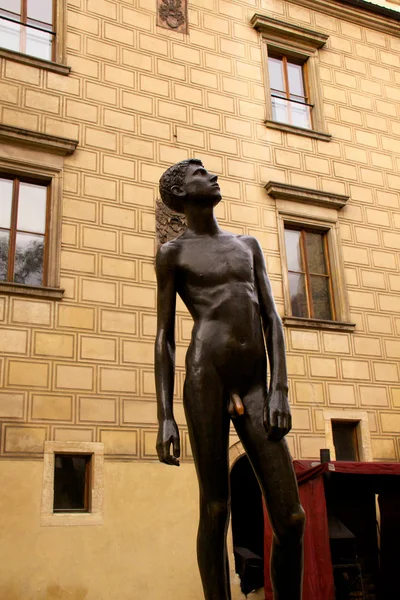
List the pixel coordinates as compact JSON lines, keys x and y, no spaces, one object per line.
{"x":320,"y":297}
{"x":315,"y":252}
{"x":298,"y":295}
{"x":6,"y":190}
{"x":293,"y":250}
{"x":32,"y":208}
{"x":41,"y":10}
{"x":275,"y":69}
{"x":13,"y":6}
{"x":4,"y":243}
{"x":295,"y":76}
{"x":280,"y":110}
{"x":345,"y":440}
{"x":9,"y":35}
{"x":39,"y":43}
{"x":70,"y":473}
{"x":301,"y":115}
{"x":29,"y":250}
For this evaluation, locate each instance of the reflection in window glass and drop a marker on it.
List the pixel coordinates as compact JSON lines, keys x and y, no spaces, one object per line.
{"x":308,"y":274}
{"x":27,"y":27}
{"x":13,"y":6}
{"x":316,"y":252}
{"x":29,"y":250}
{"x":9,"y":35}
{"x":276,"y":74}
{"x":23,"y":208}
{"x":41,"y":10}
{"x":38,"y":43}
{"x":320,"y":297}
{"x":293,"y":250}
{"x":290,"y":103}
{"x":32,"y":208}
{"x":298,"y":295}
{"x":6,"y":191}
{"x":4,"y":247}
{"x":71,"y":483}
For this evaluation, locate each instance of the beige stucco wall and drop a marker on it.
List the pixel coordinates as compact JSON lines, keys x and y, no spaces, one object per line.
{"x":144,"y":549}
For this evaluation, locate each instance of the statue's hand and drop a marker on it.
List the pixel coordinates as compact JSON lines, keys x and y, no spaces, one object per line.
{"x":277,"y":416}
{"x":168,"y":434}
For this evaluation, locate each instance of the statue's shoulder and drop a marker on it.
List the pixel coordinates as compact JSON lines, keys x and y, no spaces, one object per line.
{"x":249,"y":240}
{"x":169,"y":251}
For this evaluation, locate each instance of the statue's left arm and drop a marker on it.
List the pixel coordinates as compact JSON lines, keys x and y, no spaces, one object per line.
{"x":277,"y":416}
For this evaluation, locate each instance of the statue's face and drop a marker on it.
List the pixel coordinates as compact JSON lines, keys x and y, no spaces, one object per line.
{"x":201,"y":186}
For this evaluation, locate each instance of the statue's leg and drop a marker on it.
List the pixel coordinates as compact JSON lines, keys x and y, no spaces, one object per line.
{"x":273,"y":467}
{"x":208,"y":422}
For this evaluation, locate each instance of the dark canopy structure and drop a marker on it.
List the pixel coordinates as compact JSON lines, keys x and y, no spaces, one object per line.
{"x":320,"y":485}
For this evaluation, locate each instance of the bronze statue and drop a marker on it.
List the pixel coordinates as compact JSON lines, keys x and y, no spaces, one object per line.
{"x":222,"y":280}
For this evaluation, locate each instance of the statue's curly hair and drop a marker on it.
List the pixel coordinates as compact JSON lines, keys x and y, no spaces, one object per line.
{"x":175,"y":175}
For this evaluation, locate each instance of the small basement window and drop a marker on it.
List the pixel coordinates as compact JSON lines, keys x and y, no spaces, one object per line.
{"x":345,"y":440}
{"x":72,"y":478}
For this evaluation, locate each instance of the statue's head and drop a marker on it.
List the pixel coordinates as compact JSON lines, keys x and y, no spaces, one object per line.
{"x":188,"y":181}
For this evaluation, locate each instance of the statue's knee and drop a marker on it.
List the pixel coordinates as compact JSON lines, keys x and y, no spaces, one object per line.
{"x":217,"y":509}
{"x":292,"y":530}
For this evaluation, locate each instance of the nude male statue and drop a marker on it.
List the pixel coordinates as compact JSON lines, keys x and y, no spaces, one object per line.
{"x":222,"y":280}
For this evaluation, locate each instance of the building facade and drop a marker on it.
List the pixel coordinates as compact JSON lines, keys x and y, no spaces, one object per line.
{"x":295,"y":106}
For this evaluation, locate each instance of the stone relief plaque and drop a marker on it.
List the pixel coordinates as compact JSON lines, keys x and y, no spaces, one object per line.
{"x":169,"y":224}
{"x":172,"y":14}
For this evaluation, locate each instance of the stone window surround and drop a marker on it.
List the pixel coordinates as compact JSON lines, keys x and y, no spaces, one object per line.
{"x":299,"y":42}
{"x":359,"y":417}
{"x":95,"y":516}
{"x":319,"y":210}
{"x":31,"y":154}
{"x":59,"y":65}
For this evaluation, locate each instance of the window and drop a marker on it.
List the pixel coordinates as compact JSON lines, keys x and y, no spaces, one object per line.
{"x":73,"y":484}
{"x":289,"y":91}
{"x":72,"y":477}
{"x":345,"y":440}
{"x":24,"y":212}
{"x":31,"y":166}
{"x":294,"y":100}
{"x":27,"y":26}
{"x":310,"y":284}
{"x":314,"y":287}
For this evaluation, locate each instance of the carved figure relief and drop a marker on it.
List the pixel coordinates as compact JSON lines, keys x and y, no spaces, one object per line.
{"x":172,"y":14}
{"x":169,"y":224}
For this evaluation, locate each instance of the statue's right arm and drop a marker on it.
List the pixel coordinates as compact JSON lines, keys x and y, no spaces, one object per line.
{"x":164,"y":363}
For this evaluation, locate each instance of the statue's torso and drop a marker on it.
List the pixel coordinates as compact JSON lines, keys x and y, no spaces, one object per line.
{"x":216,"y":281}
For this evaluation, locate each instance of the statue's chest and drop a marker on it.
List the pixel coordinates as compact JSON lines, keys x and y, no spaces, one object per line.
{"x":212,"y":264}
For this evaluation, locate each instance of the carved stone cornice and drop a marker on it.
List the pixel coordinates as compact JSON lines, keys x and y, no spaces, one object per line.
{"x":278,"y":30}
{"x":294,"y":193}
{"x":38,"y":141}
{"x":365,"y":14}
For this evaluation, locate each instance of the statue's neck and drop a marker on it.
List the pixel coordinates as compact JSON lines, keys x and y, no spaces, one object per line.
{"x":201,"y":220}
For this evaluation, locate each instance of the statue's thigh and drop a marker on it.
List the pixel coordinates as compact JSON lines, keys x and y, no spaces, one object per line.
{"x":206,"y":409}
{"x":271,"y":462}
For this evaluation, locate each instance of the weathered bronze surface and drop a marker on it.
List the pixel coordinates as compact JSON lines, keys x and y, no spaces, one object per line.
{"x":222,"y":280}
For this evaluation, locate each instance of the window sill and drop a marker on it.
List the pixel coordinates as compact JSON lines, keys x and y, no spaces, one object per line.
{"x":33,"y":61}
{"x":302,"y":322}
{"x":20,"y":289}
{"x":318,"y":135}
